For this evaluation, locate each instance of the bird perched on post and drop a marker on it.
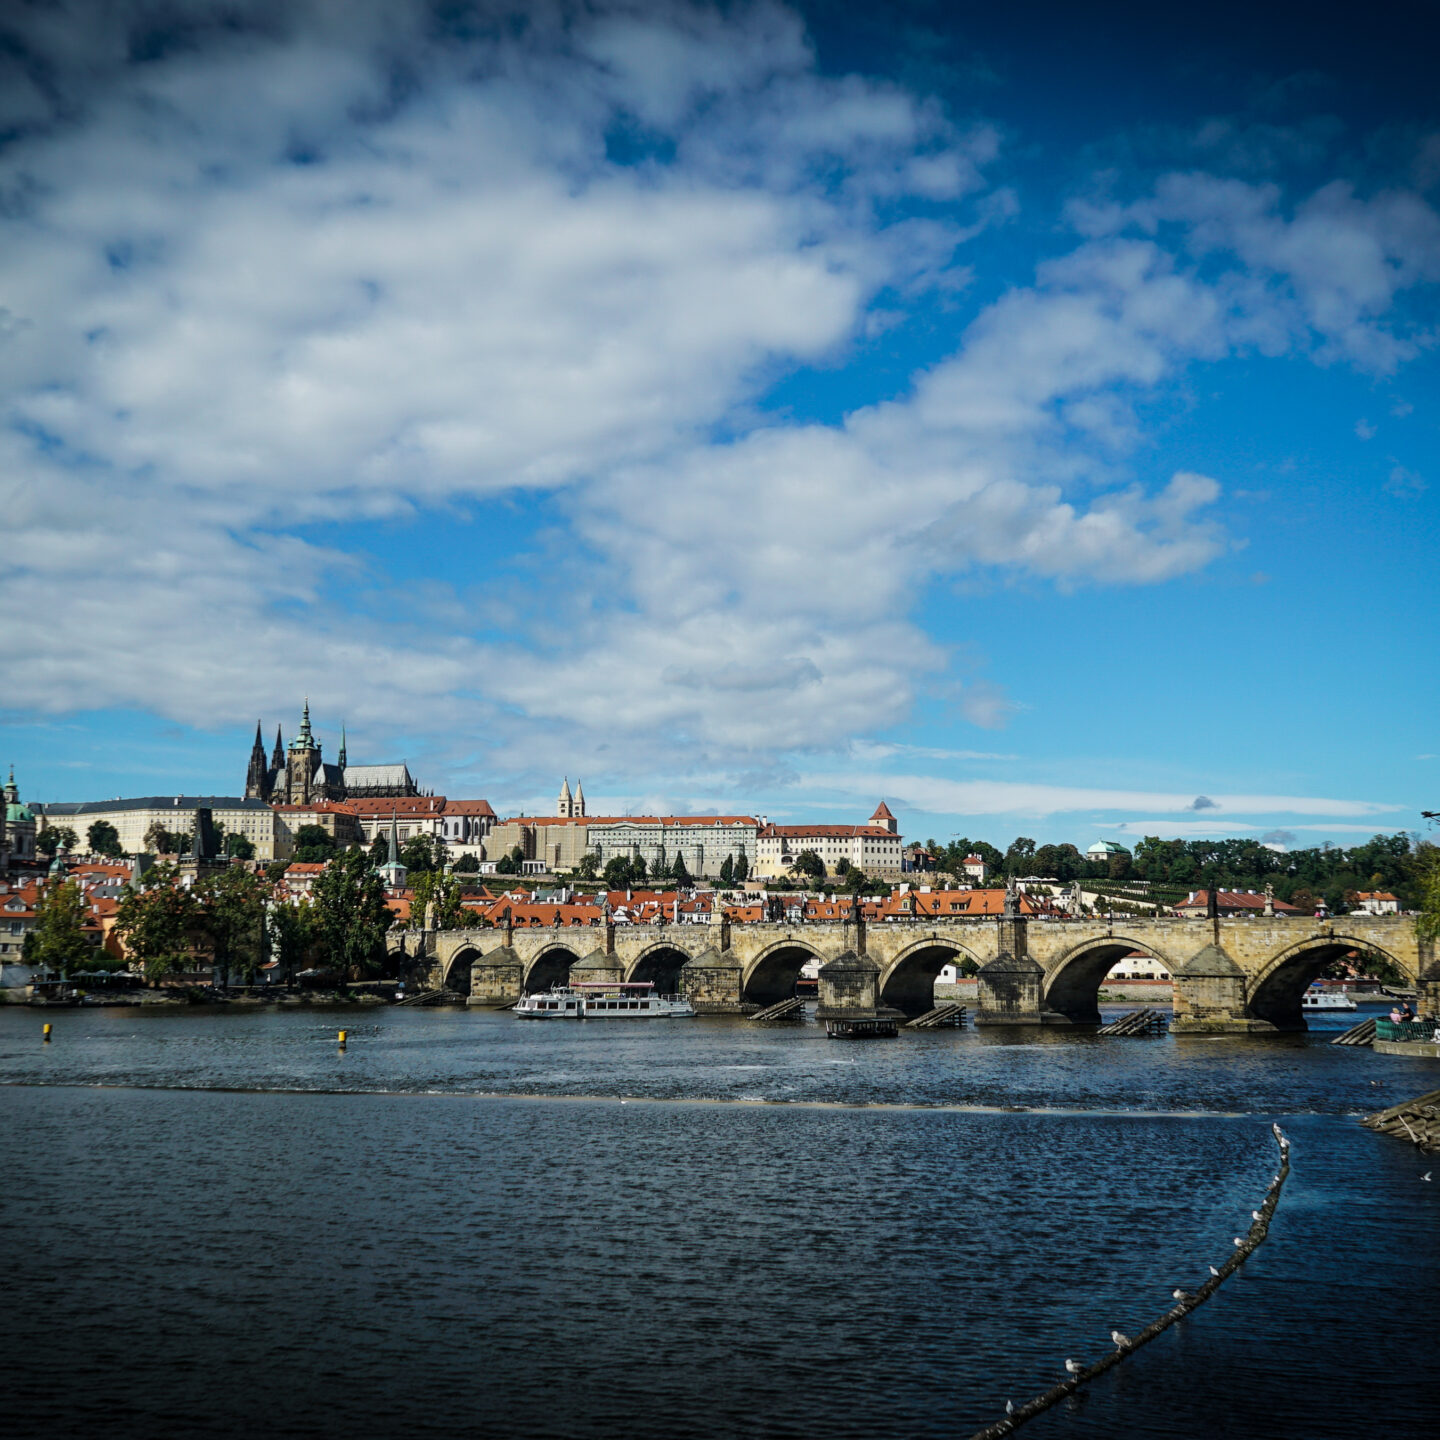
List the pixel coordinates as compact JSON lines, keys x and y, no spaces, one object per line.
{"x":1254,"y":1214}
{"x":1215,"y":1272}
{"x":1182,"y":1294}
{"x":1074,"y":1366}
{"x":1120,"y":1340}
{"x":1239,"y":1241}
{"x":1009,"y":1407}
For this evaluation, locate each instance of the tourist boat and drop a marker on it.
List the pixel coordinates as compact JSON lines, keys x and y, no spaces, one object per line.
{"x":1327,"y":1000}
{"x":603,"y":1000}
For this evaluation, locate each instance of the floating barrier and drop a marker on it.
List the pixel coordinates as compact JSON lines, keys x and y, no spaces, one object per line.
{"x":1187,"y":1301}
{"x":1137,"y":1022}
{"x":950,"y":1014}
{"x":1361,"y":1034}
{"x":1416,"y":1120}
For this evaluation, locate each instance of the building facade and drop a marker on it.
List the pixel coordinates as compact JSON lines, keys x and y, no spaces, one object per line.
{"x":876,"y":848}
{"x":18,"y":826}
{"x":135,"y":820}
{"x":559,"y":843}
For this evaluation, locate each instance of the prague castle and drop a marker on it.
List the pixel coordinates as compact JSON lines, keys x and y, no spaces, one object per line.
{"x":300,"y":775}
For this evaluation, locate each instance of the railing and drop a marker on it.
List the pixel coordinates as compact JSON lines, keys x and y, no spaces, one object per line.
{"x":1406,"y":1030}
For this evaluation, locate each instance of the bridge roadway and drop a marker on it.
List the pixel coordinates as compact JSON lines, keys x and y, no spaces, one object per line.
{"x":1230,"y":975}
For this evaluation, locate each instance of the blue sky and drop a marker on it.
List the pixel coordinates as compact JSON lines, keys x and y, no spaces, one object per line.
{"x":1026,"y":415}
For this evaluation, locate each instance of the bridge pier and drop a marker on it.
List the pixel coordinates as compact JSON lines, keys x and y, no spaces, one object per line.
{"x":711,"y":982}
{"x":496,"y":979}
{"x":1210,"y":999}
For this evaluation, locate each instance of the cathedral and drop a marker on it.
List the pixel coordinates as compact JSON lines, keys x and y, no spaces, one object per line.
{"x":300,"y":775}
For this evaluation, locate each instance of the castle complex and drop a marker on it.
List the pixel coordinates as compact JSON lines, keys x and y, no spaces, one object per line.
{"x":300,"y":775}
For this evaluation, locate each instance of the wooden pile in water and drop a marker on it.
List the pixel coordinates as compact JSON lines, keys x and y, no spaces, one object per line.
{"x":1416,"y":1120}
{"x":948,"y":1014}
{"x":792,"y":1008}
{"x":1361,"y":1034}
{"x":1137,"y":1022}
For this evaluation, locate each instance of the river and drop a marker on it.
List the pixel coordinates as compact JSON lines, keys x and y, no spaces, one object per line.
{"x":466,"y":1224}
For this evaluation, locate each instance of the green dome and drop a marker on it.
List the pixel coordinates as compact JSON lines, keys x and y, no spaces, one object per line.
{"x":18,"y":814}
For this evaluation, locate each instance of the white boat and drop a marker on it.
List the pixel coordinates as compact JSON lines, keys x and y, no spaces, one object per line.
{"x":603,"y":1000}
{"x":1327,"y":1000}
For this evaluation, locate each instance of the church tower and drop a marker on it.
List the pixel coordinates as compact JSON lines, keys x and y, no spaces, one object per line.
{"x":578,"y":809}
{"x":257,"y":777}
{"x":565,"y":805}
{"x":304,"y":761}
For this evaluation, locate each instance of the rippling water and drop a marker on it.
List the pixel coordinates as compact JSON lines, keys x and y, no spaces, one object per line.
{"x":243,"y":1231}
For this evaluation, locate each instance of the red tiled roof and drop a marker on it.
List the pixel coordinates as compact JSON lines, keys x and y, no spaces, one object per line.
{"x":398,"y":805}
{"x":1235,"y":900}
{"x":467,"y":807}
{"x":793,"y":831}
{"x":671,"y":820}
{"x":882,"y":812}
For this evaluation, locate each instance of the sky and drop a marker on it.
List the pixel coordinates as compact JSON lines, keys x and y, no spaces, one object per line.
{"x":1025,"y":417}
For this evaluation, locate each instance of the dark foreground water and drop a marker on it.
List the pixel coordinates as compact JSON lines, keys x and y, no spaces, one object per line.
{"x":215,"y":1224}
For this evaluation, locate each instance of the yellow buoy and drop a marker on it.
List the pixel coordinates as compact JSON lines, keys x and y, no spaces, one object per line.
{"x":343,"y":1034}
{"x":47,"y":1034}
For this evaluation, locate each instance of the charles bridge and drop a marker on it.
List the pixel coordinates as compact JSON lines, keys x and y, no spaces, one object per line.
{"x":1245,"y":974}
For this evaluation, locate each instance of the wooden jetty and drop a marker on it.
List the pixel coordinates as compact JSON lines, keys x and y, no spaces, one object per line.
{"x":791,"y":1009}
{"x":1137,"y":1022}
{"x":1416,"y":1120}
{"x":951,"y":1014}
{"x":1361,"y":1034}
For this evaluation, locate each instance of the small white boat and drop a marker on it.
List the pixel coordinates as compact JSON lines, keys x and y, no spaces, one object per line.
{"x":1327,"y":1000}
{"x":603,"y":1000}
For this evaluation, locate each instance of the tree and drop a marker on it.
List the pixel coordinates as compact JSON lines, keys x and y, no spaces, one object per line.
{"x":807,"y":862}
{"x":637,"y":870}
{"x":1020,"y":857}
{"x":239,"y":847}
{"x":423,"y":853}
{"x":742,"y":869}
{"x":58,"y":943}
{"x":161,"y":841}
{"x":855,"y":880}
{"x":275,"y":871}
{"x":104,"y":839}
{"x":350,"y":914}
{"x":1426,"y":869}
{"x":438,"y":893}
{"x":157,"y":924}
{"x":314,"y":845}
{"x":842,"y":867}
{"x":56,"y":837}
{"x":727,"y":870}
{"x":231,"y":909}
{"x":679,"y":873}
{"x":589,"y":866}
{"x":467,"y":865}
{"x":1118,"y":866}
{"x":292,"y":935}
{"x":617,"y":873}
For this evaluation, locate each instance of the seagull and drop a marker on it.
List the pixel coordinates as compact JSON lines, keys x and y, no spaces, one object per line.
{"x":1427,"y":1174}
{"x":1009,"y":1407}
{"x":1254,"y":1214}
{"x":1121,"y":1341}
{"x":1238,"y":1240}
{"x":1214,"y":1272}
{"x":1074,"y":1366}
{"x":1181,"y":1294}
{"x":1279,"y":1133}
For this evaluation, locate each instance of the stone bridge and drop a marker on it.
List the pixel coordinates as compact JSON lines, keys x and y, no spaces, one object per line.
{"x":1244,"y":974}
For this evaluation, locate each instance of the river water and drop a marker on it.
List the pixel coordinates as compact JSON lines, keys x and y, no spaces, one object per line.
{"x":217,"y":1224}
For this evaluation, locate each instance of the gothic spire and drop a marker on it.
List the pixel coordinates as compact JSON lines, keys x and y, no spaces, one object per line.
{"x":277,"y":756}
{"x":340,"y":759}
{"x":394,"y":843}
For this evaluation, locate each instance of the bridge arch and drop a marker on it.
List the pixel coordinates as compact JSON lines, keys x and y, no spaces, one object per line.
{"x":908,"y":982}
{"x":660,"y":965}
{"x":456,"y":974}
{"x":1274,"y":993}
{"x":772,"y":974}
{"x":550,"y":967}
{"x":1072,"y":985}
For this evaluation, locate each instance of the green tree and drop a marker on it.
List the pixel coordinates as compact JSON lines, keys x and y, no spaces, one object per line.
{"x":589,"y":866}
{"x":424,"y":853}
{"x":275,"y":871}
{"x":727,"y":870}
{"x":1426,"y":870}
{"x":855,"y":880}
{"x":433,"y":888}
{"x":617,"y":873}
{"x":104,"y":839}
{"x":239,"y":847}
{"x":505,"y":865}
{"x":1020,"y":857}
{"x":158,"y":923}
{"x":231,"y":907}
{"x":807,"y":862}
{"x":314,"y":845}
{"x":842,"y":867}
{"x":742,"y":869}
{"x":56,"y":837}
{"x":57,"y":944}
{"x":1117,"y":866}
{"x":292,"y":935}
{"x":350,"y":914}
{"x":467,"y":865}
{"x":161,"y":841}
{"x":679,"y":873}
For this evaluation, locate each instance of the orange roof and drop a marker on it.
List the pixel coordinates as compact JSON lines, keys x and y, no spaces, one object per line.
{"x":467,"y":807}
{"x":958,"y":902}
{"x":318,"y":807}
{"x":882,"y":812}
{"x":771,"y":831}
{"x":1377,"y":895}
{"x":1235,"y":900}
{"x":398,"y":805}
